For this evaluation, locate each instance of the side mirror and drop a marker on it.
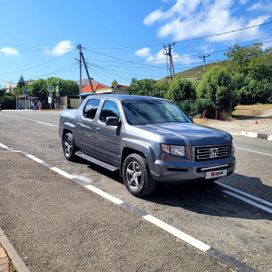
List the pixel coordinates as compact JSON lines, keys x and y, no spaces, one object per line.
{"x":112,"y":121}
{"x":191,"y":118}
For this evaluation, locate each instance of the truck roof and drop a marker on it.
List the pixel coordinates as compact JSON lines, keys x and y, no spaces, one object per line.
{"x":124,"y":97}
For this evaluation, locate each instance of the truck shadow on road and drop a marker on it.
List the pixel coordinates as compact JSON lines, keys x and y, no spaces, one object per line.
{"x":204,"y":198}
{"x":211,"y":200}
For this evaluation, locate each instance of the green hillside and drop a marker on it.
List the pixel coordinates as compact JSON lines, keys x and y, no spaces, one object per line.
{"x":196,"y":72}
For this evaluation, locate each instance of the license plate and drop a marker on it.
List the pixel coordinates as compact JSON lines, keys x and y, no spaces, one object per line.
{"x":216,"y":174}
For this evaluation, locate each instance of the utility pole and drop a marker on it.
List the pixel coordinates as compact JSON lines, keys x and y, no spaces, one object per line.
{"x":169,"y":59}
{"x":204,"y":56}
{"x":82,"y":59}
{"x":87,"y":72}
{"x":80,"y":71}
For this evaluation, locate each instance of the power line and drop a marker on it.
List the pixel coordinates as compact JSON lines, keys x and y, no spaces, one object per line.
{"x":191,"y":39}
{"x":121,"y":60}
{"x":36,"y":66}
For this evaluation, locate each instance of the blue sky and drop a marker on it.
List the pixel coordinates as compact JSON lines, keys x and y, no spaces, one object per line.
{"x":123,"y":39}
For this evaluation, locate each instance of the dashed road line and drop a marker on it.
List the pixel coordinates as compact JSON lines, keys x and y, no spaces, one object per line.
{"x":43,"y":123}
{"x":105,"y":195}
{"x":61,"y":172}
{"x":251,"y":202}
{"x":244,"y":194}
{"x":228,"y":260}
{"x":34,"y":158}
{"x":4,"y":146}
{"x":36,"y":121}
{"x":177,"y":233}
{"x":253,"y":151}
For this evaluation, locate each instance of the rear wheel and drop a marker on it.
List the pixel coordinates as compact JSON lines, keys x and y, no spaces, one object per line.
{"x":69,"y":147}
{"x":136,"y":176}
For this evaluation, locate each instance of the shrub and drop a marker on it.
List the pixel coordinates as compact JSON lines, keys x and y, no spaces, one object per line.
{"x":218,"y":86}
{"x":204,"y":104}
{"x":197,"y":107}
{"x":8,"y":102}
{"x":181,"y":89}
{"x":185,"y":106}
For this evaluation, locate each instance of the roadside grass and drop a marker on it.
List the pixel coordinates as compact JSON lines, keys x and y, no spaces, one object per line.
{"x":251,"y":110}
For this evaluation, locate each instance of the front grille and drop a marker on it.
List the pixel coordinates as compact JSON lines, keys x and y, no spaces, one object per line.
{"x":211,"y":152}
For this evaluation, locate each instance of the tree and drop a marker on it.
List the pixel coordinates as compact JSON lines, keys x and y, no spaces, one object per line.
{"x":2,"y":92}
{"x":8,"y":102}
{"x":21,"y":83}
{"x":142,"y":87}
{"x":252,"y":72}
{"x":218,"y":86}
{"x":161,"y":88}
{"x":181,"y":89}
{"x":39,"y":88}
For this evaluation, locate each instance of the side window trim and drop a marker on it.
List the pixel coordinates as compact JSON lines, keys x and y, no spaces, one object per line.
{"x":101,"y":111}
{"x":97,"y":107}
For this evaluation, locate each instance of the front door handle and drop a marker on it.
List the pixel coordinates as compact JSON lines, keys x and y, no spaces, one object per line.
{"x":97,"y":129}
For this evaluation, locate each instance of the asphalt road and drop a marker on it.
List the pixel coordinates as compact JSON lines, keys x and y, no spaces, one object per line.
{"x":218,"y":216}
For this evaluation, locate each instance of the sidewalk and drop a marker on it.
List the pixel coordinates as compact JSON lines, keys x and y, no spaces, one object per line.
{"x":236,"y":127}
{"x":56,"y":225}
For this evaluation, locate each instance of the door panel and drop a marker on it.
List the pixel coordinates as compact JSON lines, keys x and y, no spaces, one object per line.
{"x":86,"y":126}
{"x":109,"y":140}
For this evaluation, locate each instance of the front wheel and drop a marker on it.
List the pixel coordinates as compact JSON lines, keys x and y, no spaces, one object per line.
{"x":136,"y":176}
{"x":69,"y":147}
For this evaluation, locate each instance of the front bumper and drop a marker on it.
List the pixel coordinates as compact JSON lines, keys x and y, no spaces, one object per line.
{"x":164,"y":171}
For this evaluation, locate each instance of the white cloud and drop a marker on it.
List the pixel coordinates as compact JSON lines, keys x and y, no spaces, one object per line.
{"x":243,"y":2}
{"x":9,"y":51}
{"x":60,"y":48}
{"x":144,"y":52}
{"x":190,"y":19}
{"x":154,"y":16}
{"x":261,"y":6}
{"x":267,"y":45}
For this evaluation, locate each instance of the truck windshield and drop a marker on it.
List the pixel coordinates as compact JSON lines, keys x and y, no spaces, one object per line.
{"x":144,"y":112}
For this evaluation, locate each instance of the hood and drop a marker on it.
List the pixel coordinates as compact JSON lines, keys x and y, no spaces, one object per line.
{"x":188,"y":134}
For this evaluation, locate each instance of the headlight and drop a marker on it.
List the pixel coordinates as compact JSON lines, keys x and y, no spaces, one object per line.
{"x":232,"y":149}
{"x":177,"y":150}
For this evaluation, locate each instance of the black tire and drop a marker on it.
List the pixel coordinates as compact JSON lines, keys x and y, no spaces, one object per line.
{"x":69,"y":147}
{"x":132,"y":165}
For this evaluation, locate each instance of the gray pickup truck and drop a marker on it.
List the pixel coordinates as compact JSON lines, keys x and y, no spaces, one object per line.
{"x":147,"y":139}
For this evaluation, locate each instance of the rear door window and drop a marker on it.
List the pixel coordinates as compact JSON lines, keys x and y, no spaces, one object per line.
{"x":90,"y":108}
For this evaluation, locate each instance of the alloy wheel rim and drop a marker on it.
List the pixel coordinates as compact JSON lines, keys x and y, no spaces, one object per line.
{"x":67,"y":147}
{"x":134,"y":176}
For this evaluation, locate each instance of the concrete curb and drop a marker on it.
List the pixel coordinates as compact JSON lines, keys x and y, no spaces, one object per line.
{"x":12,"y":253}
{"x":17,"y":110}
{"x":257,"y":135}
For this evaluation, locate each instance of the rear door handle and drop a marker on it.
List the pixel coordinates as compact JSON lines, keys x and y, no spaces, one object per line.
{"x":97,"y":129}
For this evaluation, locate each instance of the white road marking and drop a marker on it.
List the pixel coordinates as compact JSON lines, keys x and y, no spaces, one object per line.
{"x":177,"y":233}
{"x":104,"y":194}
{"x":262,"y":207}
{"x":85,"y":179}
{"x":4,"y":146}
{"x":249,"y":134}
{"x":253,"y":151}
{"x":33,"y":158}
{"x":244,"y":194}
{"x":33,"y":120}
{"x":61,"y":172}
{"x":43,"y":123}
